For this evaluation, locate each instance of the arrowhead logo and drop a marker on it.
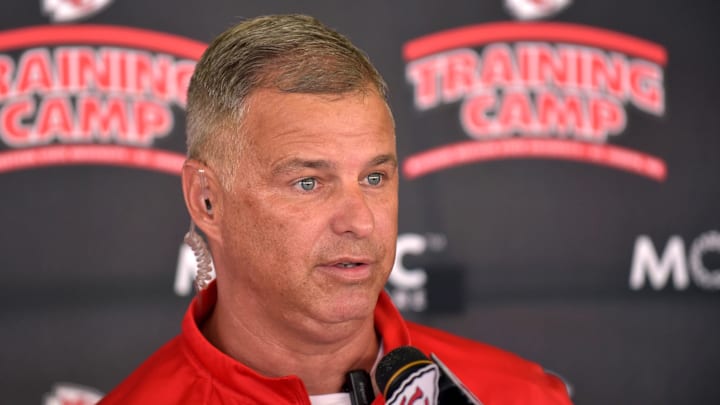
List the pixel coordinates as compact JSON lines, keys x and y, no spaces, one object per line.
{"x":419,"y":388}
{"x":534,"y":9}
{"x":72,"y":10}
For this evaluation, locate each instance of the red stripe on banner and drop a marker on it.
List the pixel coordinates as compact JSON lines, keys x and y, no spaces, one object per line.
{"x":62,"y":155}
{"x":476,"y":35}
{"x":466,"y":152}
{"x":101,"y":35}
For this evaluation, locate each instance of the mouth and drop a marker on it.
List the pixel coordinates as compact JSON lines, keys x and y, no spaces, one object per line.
{"x":348,"y":265}
{"x":348,"y":269}
{"x":348,"y":262}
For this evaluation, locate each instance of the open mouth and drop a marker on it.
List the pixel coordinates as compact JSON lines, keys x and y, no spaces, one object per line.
{"x":348,"y":265}
{"x":349,"y":269}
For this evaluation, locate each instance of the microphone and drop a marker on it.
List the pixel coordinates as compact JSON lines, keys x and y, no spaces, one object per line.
{"x":406,"y":375}
{"x":359,"y":386}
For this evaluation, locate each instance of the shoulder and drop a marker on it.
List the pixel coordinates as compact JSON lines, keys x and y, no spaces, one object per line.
{"x":166,"y":377}
{"x":452,"y":348}
{"x":493,"y":374}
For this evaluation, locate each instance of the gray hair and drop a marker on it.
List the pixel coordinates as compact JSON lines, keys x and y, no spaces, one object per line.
{"x":289,"y":53}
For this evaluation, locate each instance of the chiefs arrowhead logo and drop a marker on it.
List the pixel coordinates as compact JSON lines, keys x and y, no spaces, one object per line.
{"x":534,"y":9}
{"x":72,"y":10}
{"x":67,"y":393}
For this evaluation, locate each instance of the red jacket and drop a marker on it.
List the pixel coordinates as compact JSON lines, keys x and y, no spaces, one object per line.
{"x":190,"y":370}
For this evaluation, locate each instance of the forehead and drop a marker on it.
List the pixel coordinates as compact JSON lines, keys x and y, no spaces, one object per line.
{"x":286,"y":125}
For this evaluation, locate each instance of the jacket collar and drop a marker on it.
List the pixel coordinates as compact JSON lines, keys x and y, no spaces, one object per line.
{"x":245,"y":382}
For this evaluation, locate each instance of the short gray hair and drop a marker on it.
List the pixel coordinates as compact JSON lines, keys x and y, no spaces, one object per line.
{"x":290,"y":53}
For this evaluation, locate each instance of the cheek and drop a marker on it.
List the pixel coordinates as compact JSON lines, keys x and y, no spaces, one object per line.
{"x":386,"y":213}
{"x":265,"y":229}
{"x":274,"y":229}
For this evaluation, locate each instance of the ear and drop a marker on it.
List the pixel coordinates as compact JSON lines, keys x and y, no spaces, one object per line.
{"x":202,"y":190}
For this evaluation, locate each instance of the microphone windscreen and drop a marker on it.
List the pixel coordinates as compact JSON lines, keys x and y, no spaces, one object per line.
{"x":397,"y":364}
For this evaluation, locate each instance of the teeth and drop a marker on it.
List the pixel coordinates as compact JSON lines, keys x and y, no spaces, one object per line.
{"x":347,"y":265}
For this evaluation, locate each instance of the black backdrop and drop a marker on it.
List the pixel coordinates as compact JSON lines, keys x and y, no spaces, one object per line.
{"x":607,"y":276}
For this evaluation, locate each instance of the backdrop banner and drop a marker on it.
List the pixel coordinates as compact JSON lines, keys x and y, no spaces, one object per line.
{"x":560,"y":183}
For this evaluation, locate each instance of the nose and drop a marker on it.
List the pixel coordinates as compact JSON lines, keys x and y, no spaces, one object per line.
{"x":353,"y":215}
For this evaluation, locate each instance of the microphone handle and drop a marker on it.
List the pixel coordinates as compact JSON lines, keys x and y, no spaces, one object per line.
{"x":359,"y":386}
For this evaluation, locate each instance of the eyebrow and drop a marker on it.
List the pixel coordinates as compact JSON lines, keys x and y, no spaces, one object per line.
{"x":384,"y":159}
{"x":291,"y":165}
{"x":296,"y":164}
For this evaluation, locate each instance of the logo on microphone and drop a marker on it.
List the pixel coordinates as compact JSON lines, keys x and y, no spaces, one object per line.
{"x":419,"y":388}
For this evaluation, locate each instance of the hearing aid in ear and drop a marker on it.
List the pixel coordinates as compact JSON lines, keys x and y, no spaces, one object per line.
{"x":205,"y":191}
{"x":198,"y":246}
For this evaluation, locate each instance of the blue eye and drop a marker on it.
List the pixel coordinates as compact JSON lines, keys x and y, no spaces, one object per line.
{"x":307,"y":184}
{"x":374,"y":179}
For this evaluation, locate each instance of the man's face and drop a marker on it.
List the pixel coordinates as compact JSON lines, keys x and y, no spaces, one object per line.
{"x":310,"y":225}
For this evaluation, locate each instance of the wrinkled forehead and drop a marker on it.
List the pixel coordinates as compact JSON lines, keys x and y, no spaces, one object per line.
{"x":285,"y":111}
{"x":279,"y":123}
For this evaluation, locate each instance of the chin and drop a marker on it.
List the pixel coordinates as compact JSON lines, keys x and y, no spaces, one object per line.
{"x":345,"y":307}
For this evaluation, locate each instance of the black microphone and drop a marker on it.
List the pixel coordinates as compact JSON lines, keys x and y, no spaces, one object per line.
{"x":359,"y":386}
{"x":406,"y":375}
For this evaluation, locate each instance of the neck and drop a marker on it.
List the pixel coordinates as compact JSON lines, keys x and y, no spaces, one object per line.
{"x":320,"y":355}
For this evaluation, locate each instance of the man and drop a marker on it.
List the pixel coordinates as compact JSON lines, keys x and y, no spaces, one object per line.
{"x":293,"y":177}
